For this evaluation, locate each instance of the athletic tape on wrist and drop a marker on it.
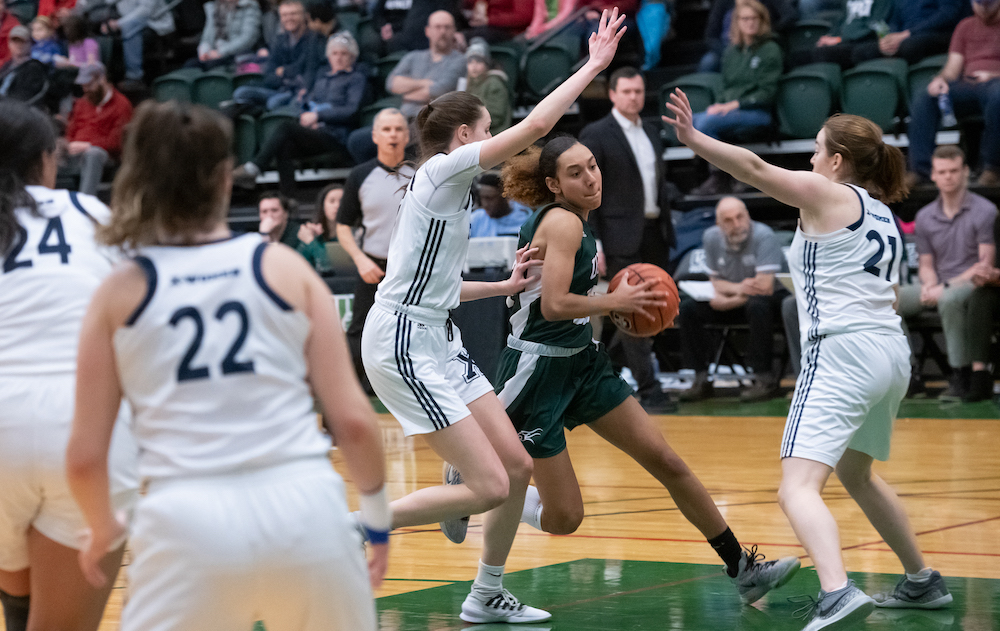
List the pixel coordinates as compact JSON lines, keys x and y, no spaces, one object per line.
{"x":376,"y":516}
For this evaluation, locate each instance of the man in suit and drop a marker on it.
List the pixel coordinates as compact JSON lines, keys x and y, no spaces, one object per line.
{"x":632,"y":225}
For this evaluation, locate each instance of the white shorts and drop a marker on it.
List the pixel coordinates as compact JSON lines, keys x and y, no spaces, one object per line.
{"x":216,"y":553}
{"x":35,"y":418}
{"x":847,"y":396}
{"x":424,"y":379}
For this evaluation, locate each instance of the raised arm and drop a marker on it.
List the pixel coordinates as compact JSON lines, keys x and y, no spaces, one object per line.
{"x":810,"y":192}
{"x":546,"y":114}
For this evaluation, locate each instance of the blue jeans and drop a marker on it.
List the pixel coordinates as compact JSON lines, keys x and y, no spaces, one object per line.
{"x":739,"y":120}
{"x":262,"y":97}
{"x":967,"y":99}
{"x":132,"y":47}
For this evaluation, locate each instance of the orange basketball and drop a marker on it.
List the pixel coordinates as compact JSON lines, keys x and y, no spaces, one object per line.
{"x":637,"y":324}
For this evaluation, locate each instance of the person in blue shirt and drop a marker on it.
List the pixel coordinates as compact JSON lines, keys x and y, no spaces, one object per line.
{"x":496,"y":216}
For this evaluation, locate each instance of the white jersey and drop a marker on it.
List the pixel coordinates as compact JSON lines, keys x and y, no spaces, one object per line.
{"x":430,"y":242}
{"x":844,"y":280}
{"x":213,"y":364}
{"x":47,"y":281}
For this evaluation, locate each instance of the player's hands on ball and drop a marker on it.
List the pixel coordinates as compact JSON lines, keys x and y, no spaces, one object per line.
{"x":97,"y":542}
{"x":636,"y":298}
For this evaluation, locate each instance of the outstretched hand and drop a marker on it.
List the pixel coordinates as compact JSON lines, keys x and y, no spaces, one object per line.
{"x":604,"y":43}
{"x":683,"y":120}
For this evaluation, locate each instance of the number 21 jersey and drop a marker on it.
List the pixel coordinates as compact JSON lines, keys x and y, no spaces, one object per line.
{"x":213,"y":364}
{"x":844,"y":280}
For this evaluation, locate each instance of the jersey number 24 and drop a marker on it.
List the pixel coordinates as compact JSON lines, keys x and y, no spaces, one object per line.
{"x":52,"y":229}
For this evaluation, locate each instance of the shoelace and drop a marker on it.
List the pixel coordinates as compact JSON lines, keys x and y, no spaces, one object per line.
{"x":808,"y":609}
{"x":753,"y":557}
{"x":504,"y":601}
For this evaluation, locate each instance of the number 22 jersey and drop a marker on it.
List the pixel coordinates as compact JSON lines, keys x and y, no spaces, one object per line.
{"x":844,"y":280}
{"x":213,"y":363}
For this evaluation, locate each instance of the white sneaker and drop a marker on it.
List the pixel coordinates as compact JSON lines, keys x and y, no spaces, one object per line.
{"x":456,"y":529}
{"x":840,"y":608}
{"x":502,"y":606}
{"x":756,"y":576}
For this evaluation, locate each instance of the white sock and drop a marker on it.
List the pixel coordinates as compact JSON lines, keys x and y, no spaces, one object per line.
{"x":922,"y":576}
{"x":489,"y":578}
{"x":837,"y":589}
{"x":532,"y":512}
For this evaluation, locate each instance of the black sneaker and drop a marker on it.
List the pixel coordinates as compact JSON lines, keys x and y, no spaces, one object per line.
{"x":658,"y":402}
{"x":980,"y":387}
{"x":763,"y":389}
{"x":958,"y":385}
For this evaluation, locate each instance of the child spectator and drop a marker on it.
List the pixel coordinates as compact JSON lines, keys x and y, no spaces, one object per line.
{"x":47,"y":47}
{"x":488,"y":84}
{"x":81,"y":50}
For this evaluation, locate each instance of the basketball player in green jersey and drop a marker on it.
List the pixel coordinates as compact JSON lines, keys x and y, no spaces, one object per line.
{"x":553,"y":375}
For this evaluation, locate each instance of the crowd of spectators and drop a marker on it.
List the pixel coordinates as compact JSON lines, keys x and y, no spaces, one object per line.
{"x":320,"y":70}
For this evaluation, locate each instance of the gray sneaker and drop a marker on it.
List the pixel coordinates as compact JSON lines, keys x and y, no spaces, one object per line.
{"x":756,"y":577}
{"x":837,"y":609}
{"x":454,"y":529}
{"x":929,"y":594}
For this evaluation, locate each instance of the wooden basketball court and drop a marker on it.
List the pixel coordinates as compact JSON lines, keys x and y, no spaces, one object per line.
{"x":636,"y":563}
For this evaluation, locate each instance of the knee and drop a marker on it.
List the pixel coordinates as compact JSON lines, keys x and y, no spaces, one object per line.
{"x":493,"y":492}
{"x":853,"y":481}
{"x":562,"y":520}
{"x":519,"y":471}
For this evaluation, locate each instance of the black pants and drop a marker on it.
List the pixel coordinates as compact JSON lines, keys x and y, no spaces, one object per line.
{"x":760,"y":312}
{"x":984,"y":311}
{"x":625,"y":350}
{"x":841,"y":54}
{"x":364,"y":298}
{"x":912,"y":49}
{"x":289,"y":142}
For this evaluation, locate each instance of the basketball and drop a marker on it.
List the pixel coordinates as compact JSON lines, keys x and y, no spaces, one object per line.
{"x":637,"y":324}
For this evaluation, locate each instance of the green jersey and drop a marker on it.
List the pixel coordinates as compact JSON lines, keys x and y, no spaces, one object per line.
{"x":526,"y":320}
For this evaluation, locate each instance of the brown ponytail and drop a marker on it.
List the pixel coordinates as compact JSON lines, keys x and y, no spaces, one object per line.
{"x":874,"y":165}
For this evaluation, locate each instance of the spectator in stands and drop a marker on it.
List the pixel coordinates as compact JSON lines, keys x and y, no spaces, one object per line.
{"x":633,"y":223}
{"x":276,"y":225}
{"x":424,"y":75}
{"x":498,"y":21}
{"x":270,"y":25}
{"x":858,"y":26}
{"x":137,"y":21}
{"x":718,"y":31}
{"x":58,"y":10}
{"x":330,"y":112}
{"x":232,"y":27}
{"x":315,"y":234}
{"x":489,"y":84}
{"x":743,"y":257}
{"x":751,"y":67}
{"x":372,"y":195}
{"x":291,"y":66}
{"x":954,"y":237}
{"x":322,"y":19}
{"x":413,"y":33}
{"x":388,"y":17}
{"x":80,"y":49}
{"x":917,"y":29}
{"x":21,"y":77}
{"x":7,"y":21}
{"x":496,"y":216}
{"x":47,"y":47}
{"x":94,"y":132}
{"x":653,"y":19}
{"x":813,"y":9}
{"x":971,"y":79}
{"x":984,"y":313}
{"x":548,"y":15}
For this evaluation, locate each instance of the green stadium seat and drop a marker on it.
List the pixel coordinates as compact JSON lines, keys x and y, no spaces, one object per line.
{"x":212,"y":88}
{"x":921,"y":73}
{"x":349,"y":20}
{"x":544,"y":67}
{"x":244,"y":138}
{"x":805,"y":33}
{"x":268,"y":124}
{"x":508,"y":57}
{"x":254,"y":79}
{"x":806,"y":98}
{"x":383,"y":67}
{"x":367,"y":113}
{"x":701,"y":88}
{"x":172,"y":87}
{"x":877,"y":90}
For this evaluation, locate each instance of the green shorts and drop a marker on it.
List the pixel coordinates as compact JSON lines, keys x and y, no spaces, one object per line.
{"x":543,"y":394}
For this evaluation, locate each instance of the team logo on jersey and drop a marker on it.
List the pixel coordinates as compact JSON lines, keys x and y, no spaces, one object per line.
{"x":470,"y":371}
{"x":529,"y":436}
{"x":201,"y":278}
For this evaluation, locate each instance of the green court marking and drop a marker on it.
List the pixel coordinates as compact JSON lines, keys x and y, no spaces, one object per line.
{"x":605,"y":595}
{"x":910,"y":408}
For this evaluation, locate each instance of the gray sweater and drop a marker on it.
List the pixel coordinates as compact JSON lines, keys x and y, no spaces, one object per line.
{"x":419,"y":65}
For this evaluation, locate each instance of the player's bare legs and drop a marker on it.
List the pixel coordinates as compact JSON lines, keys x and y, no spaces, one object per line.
{"x":630,"y":429}
{"x":559,"y":491}
{"x":802,"y":483}
{"x":881,"y":506}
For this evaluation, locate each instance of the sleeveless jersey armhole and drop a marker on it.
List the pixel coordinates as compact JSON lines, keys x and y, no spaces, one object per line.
{"x":258,"y":274}
{"x":79,"y":206}
{"x":149,"y":270}
{"x":857,"y":224}
{"x":541,"y":216}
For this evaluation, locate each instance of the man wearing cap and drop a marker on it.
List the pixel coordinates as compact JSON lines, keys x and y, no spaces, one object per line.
{"x":7,"y":21}
{"x":21,"y":77}
{"x":488,"y":84}
{"x":94,"y":132}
